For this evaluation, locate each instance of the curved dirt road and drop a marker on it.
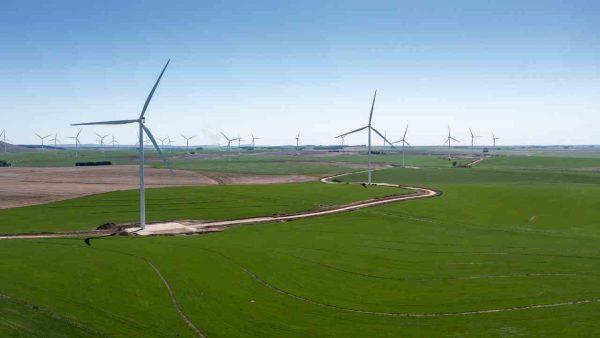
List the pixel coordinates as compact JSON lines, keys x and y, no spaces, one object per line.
{"x":193,"y":227}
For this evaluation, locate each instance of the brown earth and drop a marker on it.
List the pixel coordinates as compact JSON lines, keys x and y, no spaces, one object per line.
{"x":29,"y":186}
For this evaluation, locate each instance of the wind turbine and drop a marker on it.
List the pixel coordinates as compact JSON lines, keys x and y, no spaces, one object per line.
{"x":473,"y":137}
{"x":114,"y":141}
{"x":297,"y":141}
{"x":404,"y":142}
{"x":76,"y":138}
{"x":4,"y":139}
{"x":494,"y":138}
{"x":228,"y":140}
{"x":253,"y":139}
{"x":101,"y":138}
{"x":187,"y":141}
{"x":54,"y":139}
{"x":141,"y":120}
{"x":42,"y":138}
{"x":169,"y":143}
{"x":449,"y":140}
{"x":369,"y":129}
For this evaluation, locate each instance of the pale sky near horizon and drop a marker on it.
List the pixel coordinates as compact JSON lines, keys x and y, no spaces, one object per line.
{"x":528,"y":70}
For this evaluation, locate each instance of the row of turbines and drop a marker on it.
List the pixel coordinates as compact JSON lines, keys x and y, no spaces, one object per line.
{"x":140,"y":122}
{"x":369,"y":127}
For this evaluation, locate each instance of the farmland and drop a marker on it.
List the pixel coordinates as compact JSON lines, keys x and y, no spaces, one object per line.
{"x":499,"y":238}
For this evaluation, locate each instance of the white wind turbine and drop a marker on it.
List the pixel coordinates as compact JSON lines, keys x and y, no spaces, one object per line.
{"x":54,"y":139}
{"x":297,"y":141}
{"x":4,"y":139}
{"x":229,"y":140}
{"x":473,"y":137}
{"x":76,"y":138}
{"x":449,"y":140}
{"x":113,"y":141}
{"x":369,"y":128}
{"x":101,"y":139}
{"x":187,"y":142}
{"x":253,"y":140}
{"x":142,"y":129}
{"x":494,"y":138}
{"x":404,"y":142}
{"x":42,"y":138}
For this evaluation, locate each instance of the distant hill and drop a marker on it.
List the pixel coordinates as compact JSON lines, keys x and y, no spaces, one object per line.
{"x":12,"y":148}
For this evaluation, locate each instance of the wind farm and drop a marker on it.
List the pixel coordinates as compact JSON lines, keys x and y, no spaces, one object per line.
{"x":300,"y":185}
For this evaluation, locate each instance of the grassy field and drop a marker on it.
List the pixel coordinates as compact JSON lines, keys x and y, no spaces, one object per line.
{"x":217,"y":202}
{"x":497,"y":238}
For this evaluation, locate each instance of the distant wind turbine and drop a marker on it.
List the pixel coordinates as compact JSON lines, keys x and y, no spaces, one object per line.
{"x":253,"y":140}
{"x":404,"y":142}
{"x":228,"y":140}
{"x":142,"y":129}
{"x":101,"y":139}
{"x":449,"y":140}
{"x":494,"y":138}
{"x":369,"y":128}
{"x":187,"y":141}
{"x":42,"y":138}
{"x":473,"y":137}
{"x":239,"y":139}
{"x":76,"y":138}
{"x":54,"y":139}
{"x":114,"y":141}
{"x":297,"y":141}
{"x":4,"y":139}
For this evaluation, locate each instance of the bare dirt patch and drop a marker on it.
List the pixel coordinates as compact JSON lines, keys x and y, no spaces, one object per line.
{"x":28,"y":186}
{"x":235,"y":178}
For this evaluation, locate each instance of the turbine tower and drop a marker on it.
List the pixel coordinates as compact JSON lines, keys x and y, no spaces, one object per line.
{"x":449,"y":140}
{"x":141,"y":120}
{"x":54,"y":139}
{"x":253,"y":140}
{"x":101,"y":139}
{"x":369,"y":128}
{"x":4,"y":139}
{"x":76,"y":138}
{"x":494,"y":138}
{"x":239,"y":139}
{"x":187,"y":142}
{"x":404,"y":142}
{"x":473,"y":137}
{"x":114,"y":141}
{"x":42,"y":138}
{"x":228,"y":141}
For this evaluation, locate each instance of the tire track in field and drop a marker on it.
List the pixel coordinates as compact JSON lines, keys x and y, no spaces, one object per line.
{"x":182,"y":314}
{"x":289,"y":294}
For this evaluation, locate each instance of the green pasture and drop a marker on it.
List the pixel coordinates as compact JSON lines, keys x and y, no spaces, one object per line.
{"x":496,"y":239}
{"x":217,"y":202}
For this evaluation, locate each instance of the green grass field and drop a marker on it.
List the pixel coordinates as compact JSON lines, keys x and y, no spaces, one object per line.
{"x":499,"y":237}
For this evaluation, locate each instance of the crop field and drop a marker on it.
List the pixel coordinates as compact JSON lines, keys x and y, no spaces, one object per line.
{"x":506,"y":250}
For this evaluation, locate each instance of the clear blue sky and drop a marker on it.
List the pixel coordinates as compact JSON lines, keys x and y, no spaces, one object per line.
{"x":529,"y":70}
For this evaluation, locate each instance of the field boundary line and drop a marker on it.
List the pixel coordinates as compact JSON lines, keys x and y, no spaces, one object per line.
{"x":398,"y":314}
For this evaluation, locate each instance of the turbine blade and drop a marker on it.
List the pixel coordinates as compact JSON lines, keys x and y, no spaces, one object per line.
{"x":225,"y":136}
{"x":446,"y":141}
{"x":405,"y":130}
{"x":383,"y":137}
{"x":104,"y":122}
{"x":455,"y":139}
{"x":79,"y":132}
{"x":351,"y":132}
{"x":407,"y":143}
{"x":152,"y":91}
{"x":372,"y":107}
{"x":470,"y":131}
{"x":157,"y":148}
